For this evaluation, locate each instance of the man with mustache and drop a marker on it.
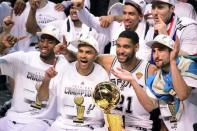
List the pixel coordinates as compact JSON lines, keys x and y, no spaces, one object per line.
{"x":174,"y":84}
{"x":166,"y":22}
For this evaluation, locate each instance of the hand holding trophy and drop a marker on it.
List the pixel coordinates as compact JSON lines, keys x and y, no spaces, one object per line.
{"x":106,"y":95}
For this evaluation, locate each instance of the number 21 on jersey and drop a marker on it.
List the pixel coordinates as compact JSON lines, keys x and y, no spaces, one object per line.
{"x":125,"y":104}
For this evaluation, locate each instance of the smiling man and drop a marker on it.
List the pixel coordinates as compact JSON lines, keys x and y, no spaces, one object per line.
{"x":131,"y":105}
{"x":174,"y":84}
{"x":27,"y":69}
{"x":132,"y":20}
{"x":79,"y":79}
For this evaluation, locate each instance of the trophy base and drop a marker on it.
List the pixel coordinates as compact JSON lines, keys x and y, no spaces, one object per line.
{"x":37,"y":106}
{"x":173,"y":119}
{"x":78,"y":120}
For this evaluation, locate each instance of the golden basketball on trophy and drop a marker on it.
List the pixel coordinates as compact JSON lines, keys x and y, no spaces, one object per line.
{"x":106,"y":95}
{"x":78,"y":100}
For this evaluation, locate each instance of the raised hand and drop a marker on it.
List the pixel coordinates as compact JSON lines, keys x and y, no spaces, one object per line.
{"x":176,"y":48}
{"x":8,"y":40}
{"x":160,"y":25}
{"x":35,"y":4}
{"x":122,"y":74}
{"x":43,"y":92}
{"x":105,"y":21}
{"x":79,"y":4}
{"x":50,"y":73}
{"x":59,"y":7}
{"x":8,"y":23}
{"x":19,"y":7}
{"x":61,"y":48}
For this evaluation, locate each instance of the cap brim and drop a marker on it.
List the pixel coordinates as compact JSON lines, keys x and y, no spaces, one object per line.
{"x":135,"y":5}
{"x":160,"y":1}
{"x":41,"y":33}
{"x":150,"y":43}
{"x":85,"y":43}
{"x":181,"y":52}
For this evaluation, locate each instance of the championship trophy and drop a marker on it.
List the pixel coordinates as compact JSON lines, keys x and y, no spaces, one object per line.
{"x":37,"y":104}
{"x":80,"y":109}
{"x":106,"y":95}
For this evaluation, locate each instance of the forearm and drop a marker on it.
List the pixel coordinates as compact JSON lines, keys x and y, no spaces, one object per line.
{"x":31,"y":25}
{"x":148,"y":103}
{"x":43,"y":92}
{"x":2,"y":46}
{"x":180,"y":87}
{"x":118,"y":18}
{"x":90,"y":20}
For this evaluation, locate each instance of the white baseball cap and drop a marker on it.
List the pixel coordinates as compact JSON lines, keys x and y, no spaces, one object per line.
{"x":50,"y":30}
{"x":88,"y":39}
{"x":171,"y":2}
{"x":116,"y":9}
{"x":162,"y":39}
{"x":139,"y":4}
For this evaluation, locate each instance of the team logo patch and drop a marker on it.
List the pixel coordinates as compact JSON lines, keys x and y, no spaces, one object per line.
{"x":139,"y":75}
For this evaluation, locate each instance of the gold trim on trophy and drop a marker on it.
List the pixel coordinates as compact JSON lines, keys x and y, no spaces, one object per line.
{"x":106,"y":95}
{"x":78,"y":100}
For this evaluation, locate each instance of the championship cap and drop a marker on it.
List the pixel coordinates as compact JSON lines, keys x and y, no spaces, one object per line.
{"x":162,"y":39}
{"x":171,"y":2}
{"x":88,"y":39}
{"x":50,"y":30}
{"x":138,"y":4}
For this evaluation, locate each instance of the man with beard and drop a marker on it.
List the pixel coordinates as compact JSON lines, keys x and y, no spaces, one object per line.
{"x":77,"y":82}
{"x":174,"y":85}
{"x":27,"y":112}
{"x":166,"y":22}
{"x":136,"y":117}
{"x":132,"y":20}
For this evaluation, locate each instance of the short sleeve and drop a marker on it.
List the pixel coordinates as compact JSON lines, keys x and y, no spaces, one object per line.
{"x":191,"y":82}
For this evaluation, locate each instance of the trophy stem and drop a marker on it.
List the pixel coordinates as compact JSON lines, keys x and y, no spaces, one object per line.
{"x":106,"y":95}
{"x":114,"y":122}
{"x":80,"y":112}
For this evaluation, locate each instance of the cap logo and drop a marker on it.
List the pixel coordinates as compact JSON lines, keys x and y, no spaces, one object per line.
{"x":139,"y":75}
{"x":164,"y":37}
